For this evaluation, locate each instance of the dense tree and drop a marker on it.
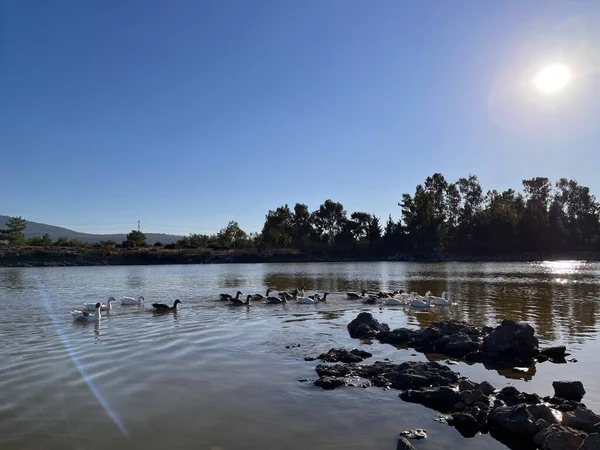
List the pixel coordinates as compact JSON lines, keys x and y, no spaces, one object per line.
{"x":329,"y":220}
{"x":43,"y":241}
{"x":137,"y":237}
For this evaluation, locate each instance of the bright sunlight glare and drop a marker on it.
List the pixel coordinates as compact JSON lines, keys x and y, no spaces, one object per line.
{"x":552,"y":78}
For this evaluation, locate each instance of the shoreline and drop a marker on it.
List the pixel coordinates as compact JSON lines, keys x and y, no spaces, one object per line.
{"x":66,"y":257}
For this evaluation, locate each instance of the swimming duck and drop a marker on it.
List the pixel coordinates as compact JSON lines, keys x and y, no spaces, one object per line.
{"x":103,"y":307}
{"x":163,"y":307}
{"x":238,"y":302}
{"x":132,"y":300}
{"x":417,"y":301}
{"x":84,"y":316}
{"x":274,"y":300}
{"x":225,"y":297}
{"x":355,"y":296}
{"x":257,"y":297}
{"x":445,"y":300}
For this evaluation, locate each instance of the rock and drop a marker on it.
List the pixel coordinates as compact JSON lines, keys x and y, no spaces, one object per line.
{"x":465,"y":423}
{"x":303,"y":380}
{"x":417,"y":433}
{"x":582,"y":419}
{"x":366,"y":326}
{"x":512,"y":419}
{"x":541,"y":424}
{"x":542,"y":412}
{"x":557,"y":438}
{"x":470,"y":397}
{"x":333,"y":370}
{"x":456,"y":345}
{"x":292,"y":346}
{"x":403,"y":444}
{"x":592,"y":442}
{"x":569,"y":390}
{"x":330,"y":382}
{"x":399,"y":336}
{"x":513,"y":338}
{"x":362,"y":353}
{"x":310,"y":358}
{"x":558,"y":352}
{"x":530,"y":399}
{"x":509,"y":395}
{"x":485,"y":387}
{"x":408,"y":375}
{"x":342,"y":355}
{"x":451,"y":363}
{"x":466,"y":385}
{"x":440,"y":398}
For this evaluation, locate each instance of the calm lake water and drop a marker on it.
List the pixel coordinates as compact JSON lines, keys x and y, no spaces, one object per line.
{"x":216,"y":377}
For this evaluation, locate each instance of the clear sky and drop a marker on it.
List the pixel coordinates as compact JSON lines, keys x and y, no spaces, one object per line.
{"x":188,"y":114}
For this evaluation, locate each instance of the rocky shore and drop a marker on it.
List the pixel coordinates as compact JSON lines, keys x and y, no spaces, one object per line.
{"x":519,"y":420}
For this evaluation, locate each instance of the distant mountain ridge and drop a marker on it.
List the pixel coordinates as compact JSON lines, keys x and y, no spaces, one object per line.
{"x":35,"y":229}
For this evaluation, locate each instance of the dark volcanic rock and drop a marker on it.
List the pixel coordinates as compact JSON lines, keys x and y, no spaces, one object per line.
{"x":441,"y":398}
{"x":557,"y":438}
{"x":513,"y":419}
{"x":569,"y":390}
{"x":509,"y":395}
{"x":475,"y":395}
{"x":399,"y":336}
{"x":511,"y":337}
{"x":465,"y":423}
{"x":592,"y":442}
{"x":333,"y":370}
{"x":366,"y":326}
{"x":485,"y":387}
{"x":582,"y":419}
{"x":466,"y":385}
{"x":342,"y":355}
{"x":403,"y":444}
{"x":543,"y":412}
{"x":330,"y":382}
{"x":408,"y":375}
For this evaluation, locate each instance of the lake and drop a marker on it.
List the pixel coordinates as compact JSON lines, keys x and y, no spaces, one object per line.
{"x":217,"y":377}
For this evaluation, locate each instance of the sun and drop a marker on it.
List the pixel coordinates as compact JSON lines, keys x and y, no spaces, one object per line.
{"x":552,"y":78}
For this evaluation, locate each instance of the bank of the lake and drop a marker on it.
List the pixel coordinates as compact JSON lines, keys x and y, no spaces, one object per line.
{"x":97,"y":256}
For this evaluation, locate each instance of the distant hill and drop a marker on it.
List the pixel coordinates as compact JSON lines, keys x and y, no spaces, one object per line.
{"x":35,"y":229}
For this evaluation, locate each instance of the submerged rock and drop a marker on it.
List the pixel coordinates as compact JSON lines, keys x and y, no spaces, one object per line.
{"x":465,"y":423}
{"x":569,"y":390}
{"x":366,"y":326}
{"x":330,"y":382}
{"x":440,"y":398}
{"x":343,"y":355}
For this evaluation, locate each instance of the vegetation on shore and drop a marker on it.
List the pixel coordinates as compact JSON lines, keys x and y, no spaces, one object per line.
{"x":440,"y":218}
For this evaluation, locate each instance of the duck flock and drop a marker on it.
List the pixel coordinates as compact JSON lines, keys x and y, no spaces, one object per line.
{"x":384,"y":298}
{"x":84,"y":315}
{"x":92,"y":312}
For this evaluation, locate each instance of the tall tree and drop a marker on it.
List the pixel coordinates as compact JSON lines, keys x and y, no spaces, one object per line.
{"x":329,"y":220}
{"x":278,"y":228}
{"x":137,"y":238}
{"x":15,"y":226}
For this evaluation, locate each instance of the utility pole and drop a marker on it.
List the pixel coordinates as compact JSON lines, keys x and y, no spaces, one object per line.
{"x":138,"y":226}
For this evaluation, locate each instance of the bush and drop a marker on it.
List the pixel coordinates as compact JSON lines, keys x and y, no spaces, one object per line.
{"x":158,"y":244}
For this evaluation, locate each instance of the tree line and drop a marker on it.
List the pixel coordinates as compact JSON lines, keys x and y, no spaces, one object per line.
{"x":440,"y":216}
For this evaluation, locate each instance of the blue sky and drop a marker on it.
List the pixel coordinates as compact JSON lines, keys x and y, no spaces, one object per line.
{"x":188,"y":114}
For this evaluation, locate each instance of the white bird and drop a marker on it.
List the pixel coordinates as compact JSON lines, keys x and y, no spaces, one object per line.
{"x":84,"y":316}
{"x":132,"y":300}
{"x":418,"y":302}
{"x":398,"y":299}
{"x":445,"y":300}
{"x":104,"y":306}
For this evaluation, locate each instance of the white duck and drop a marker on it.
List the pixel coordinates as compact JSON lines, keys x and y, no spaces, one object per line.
{"x":417,"y":301}
{"x":103,"y":306}
{"x":445,"y":300}
{"x":84,"y":316}
{"x":132,"y":300}
{"x":398,"y":299}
